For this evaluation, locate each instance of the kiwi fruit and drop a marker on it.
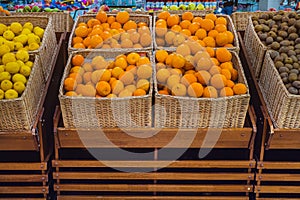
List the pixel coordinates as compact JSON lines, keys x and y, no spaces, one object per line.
{"x":279,"y":64}
{"x":285,"y":43}
{"x":296,"y":65}
{"x":283,"y":34}
{"x":297,"y":24}
{"x":296,"y":84}
{"x":291,"y":47}
{"x":292,"y":29}
{"x":291,"y":53}
{"x":283,"y":49}
{"x":285,"y":80}
{"x":275,"y":45}
{"x":287,"y":85}
{"x":265,"y":28}
{"x":285,"y":19}
{"x":272,"y":34}
{"x":288,"y":60}
{"x":293,"y":36}
{"x":274,"y":54}
{"x":262,"y":21}
{"x":280,"y":12}
{"x":289,"y":66}
{"x":279,"y":58}
{"x":297,"y":41}
{"x":284,"y":75}
{"x":283,"y":69}
{"x":269,"y":40}
{"x":292,"y":15}
{"x":255,"y":23}
{"x":277,"y":17}
{"x":294,"y":71}
{"x":279,"y":39}
{"x":264,"y":16}
{"x":263,"y":36}
{"x":258,"y":28}
{"x":292,"y":90}
{"x":294,"y":58}
{"x":292,"y":77}
{"x":297,"y":46}
{"x":291,"y":21}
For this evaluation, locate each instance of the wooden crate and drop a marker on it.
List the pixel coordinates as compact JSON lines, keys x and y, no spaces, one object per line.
{"x":78,"y":175}
{"x":25,"y":155}
{"x":278,"y":168}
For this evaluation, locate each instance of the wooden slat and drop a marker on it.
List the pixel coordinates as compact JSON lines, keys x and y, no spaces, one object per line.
{"x":278,"y":165}
{"x":156,"y":138}
{"x":23,"y":178}
{"x":152,"y":176}
{"x":23,"y":199}
{"x":153,"y":188}
{"x":278,"y":177}
{"x":285,"y":139}
{"x":278,"y":189}
{"x":24,"y":141}
{"x":150,"y":198}
{"x":10,"y":166}
{"x":23,"y":190}
{"x":151,"y":164}
{"x":274,"y":198}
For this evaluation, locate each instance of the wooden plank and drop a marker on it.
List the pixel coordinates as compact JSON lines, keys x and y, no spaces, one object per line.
{"x":153,"y":138}
{"x":151,"y":176}
{"x":23,"y":141}
{"x":23,"y":199}
{"x":150,"y":198}
{"x":274,"y":198}
{"x":278,"y":165}
{"x":278,"y":177}
{"x":285,"y":139}
{"x":12,"y":166}
{"x":278,"y":189}
{"x":236,"y":164}
{"x":23,"y":178}
{"x":23,"y":190}
{"x":153,"y":188}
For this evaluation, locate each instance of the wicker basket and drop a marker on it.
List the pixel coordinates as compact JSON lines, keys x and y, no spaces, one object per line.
{"x":240,"y":19}
{"x":61,"y":21}
{"x":187,"y":112}
{"x":135,"y":17}
{"x":283,"y":107}
{"x":21,"y":113}
{"x":92,"y":112}
{"x":230,"y":27}
{"x":49,"y":42}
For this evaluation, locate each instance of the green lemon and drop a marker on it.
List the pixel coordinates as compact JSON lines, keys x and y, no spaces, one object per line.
{"x":11,"y":94}
{"x":19,"y":87}
{"x":12,"y":67}
{"x":6,"y":85}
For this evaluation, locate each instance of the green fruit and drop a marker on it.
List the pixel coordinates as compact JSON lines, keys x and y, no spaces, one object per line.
{"x":8,"y":57}
{"x":25,"y":70}
{"x":27,"y":9}
{"x":9,"y":35}
{"x":12,"y":67}
{"x":6,"y":85}
{"x":28,"y":25}
{"x":18,"y":46}
{"x":16,"y":27}
{"x":11,"y":94}
{"x":33,"y":46}
{"x":4,"y":49}
{"x":35,"y":9}
{"x":3,"y":28}
{"x":4,"y":76}
{"x":19,"y":77}
{"x":1,"y":94}
{"x":19,"y":87}
{"x":22,"y":55}
{"x":47,"y":9}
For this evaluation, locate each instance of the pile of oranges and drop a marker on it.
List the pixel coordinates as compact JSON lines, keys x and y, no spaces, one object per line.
{"x":207,"y":73}
{"x":171,"y":30}
{"x":126,"y":75}
{"x":107,"y":32}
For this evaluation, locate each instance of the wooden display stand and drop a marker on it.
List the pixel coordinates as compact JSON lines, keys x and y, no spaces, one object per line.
{"x":80,"y":176}
{"x":25,"y":155}
{"x":276,"y":177}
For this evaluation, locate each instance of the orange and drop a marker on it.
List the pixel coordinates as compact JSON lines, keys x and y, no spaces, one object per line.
{"x":230,"y":36}
{"x":101,"y":16}
{"x":117,"y":86}
{"x":173,"y":20}
{"x":188,"y":79}
{"x":112,"y":79}
{"x":239,"y":89}
{"x":169,"y":59}
{"x":82,"y":24}
{"x":162,"y":22}
{"x":176,"y":28}
{"x":116,"y":71}
{"x":223,"y":55}
{"x":77,"y":60}
{"x":185,"y":24}
{"x":198,"y":20}
{"x":209,"y":41}
{"x":115,"y":25}
{"x":160,"y":30}
{"x":140,"y":24}
{"x":228,"y":45}
{"x":127,"y":77}
{"x":178,"y":61}
{"x":186,"y":32}
{"x":163,"y":15}
{"x":103,"y":88}
{"x":87,"y":41}
{"x":230,"y":83}
{"x":77,"y":40}
{"x":144,"y":29}
{"x":215,"y":61}
{"x":105,"y":75}
{"x":122,"y":17}
{"x":210,"y":51}
{"x":218,"y":81}
{"x":77,"y":69}
{"x":207,"y":24}
{"x":203,"y":77}
{"x":139,"y":92}
{"x":143,"y":60}
{"x":164,"y":92}
{"x":96,"y":31}
{"x":71,"y":94}
{"x":201,"y":43}
{"x":121,"y":62}
{"x":105,"y":26}
{"x":213,"y":33}
{"x":226,"y":91}
{"x":194,"y":27}
{"x":132,"y":58}
{"x":77,"y":77}
{"x":187,"y":16}
{"x":211,"y":16}
{"x":220,"y":28}
{"x":96,"y":41}
{"x":210,"y":92}
{"x":81,"y":31}
{"x":234,"y":75}
{"x":221,"y":39}
{"x":132,"y":68}
{"x":129,"y":25}
{"x":161,"y":55}
{"x":195,"y":90}
{"x":201,"y":33}
{"x":92,"y":22}
{"x":105,"y":35}
{"x":143,"y":84}
{"x":221,"y":20}
{"x":226,"y":73}
{"x":111,"y":19}
{"x":145,"y":40}
{"x":70,"y":84}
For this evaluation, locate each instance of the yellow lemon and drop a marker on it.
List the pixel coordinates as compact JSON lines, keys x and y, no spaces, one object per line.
{"x":11,"y":94}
